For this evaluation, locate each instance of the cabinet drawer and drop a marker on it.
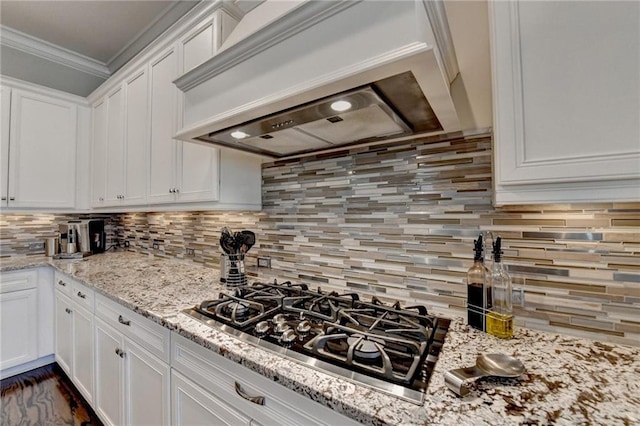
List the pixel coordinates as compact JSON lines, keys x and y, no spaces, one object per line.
{"x":62,"y":283}
{"x":79,"y":293}
{"x":82,"y":295}
{"x":144,"y":332}
{"x":228,"y":380}
{"x":15,"y":281}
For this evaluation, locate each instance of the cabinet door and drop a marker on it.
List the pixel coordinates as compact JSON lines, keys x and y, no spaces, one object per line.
{"x":164,"y":102}
{"x":83,"y":352}
{"x":136,"y":135}
{"x":109,"y":374}
{"x":18,"y":327}
{"x":566,"y":118}
{"x":42,"y":155}
{"x":147,"y":398}
{"x":99,"y":154}
{"x":197,"y":45}
{"x":115,"y":148}
{"x":199,"y":177}
{"x":192,"y":406}
{"x":5,"y":110}
{"x":64,"y":336}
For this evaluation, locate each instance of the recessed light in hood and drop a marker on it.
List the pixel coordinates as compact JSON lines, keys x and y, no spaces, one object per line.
{"x":369,"y":116}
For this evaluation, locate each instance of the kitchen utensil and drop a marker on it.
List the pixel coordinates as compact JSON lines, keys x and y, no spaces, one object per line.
{"x":232,"y":270}
{"x":248,"y":240}
{"x":499,"y":365}
{"x":227,"y":241}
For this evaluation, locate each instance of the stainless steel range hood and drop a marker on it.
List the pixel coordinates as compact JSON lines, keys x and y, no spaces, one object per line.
{"x":271,"y":88}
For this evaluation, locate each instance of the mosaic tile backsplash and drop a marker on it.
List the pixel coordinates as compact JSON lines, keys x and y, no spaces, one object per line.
{"x":398,"y":221}
{"x":24,"y":234}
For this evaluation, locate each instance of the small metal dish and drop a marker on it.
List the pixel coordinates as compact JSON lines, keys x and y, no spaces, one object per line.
{"x":499,"y":365}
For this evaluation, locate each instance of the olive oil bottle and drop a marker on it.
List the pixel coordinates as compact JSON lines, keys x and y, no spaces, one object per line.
{"x":478,"y":289}
{"x":500,"y":317}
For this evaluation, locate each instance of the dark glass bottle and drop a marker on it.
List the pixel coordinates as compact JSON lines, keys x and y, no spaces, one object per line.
{"x":478,"y":289}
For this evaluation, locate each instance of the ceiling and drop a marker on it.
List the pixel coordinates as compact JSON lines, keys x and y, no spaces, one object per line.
{"x":74,"y":46}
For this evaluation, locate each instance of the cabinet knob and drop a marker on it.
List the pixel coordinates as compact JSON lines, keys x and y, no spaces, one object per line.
{"x":170,"y":190}
{"x":119,"y":352}
{"x":255,"y":399}
{"x":82,"y":295}
{"x":101,"y":199}
{"x":177,"y":190}
{"x":67,"y":310}
{"x":121,"y":320}
{"x":62,"y":283}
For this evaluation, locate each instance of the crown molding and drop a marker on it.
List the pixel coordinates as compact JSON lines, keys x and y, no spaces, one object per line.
{"x":166,"y":19}
{"x":51,"y":52}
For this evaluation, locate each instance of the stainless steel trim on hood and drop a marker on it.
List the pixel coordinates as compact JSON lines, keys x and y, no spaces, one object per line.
{"x":310,"y":52}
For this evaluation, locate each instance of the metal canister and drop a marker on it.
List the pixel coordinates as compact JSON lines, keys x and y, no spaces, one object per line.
{"x":51,"y":246}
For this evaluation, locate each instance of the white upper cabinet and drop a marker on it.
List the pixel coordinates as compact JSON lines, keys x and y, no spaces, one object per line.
{"x":164,"y":113}
{"x":136,"y":138}
{"x":136,"y":160}
{"x":98,"y":161}
{"x":5,"y":110}
{"x":566,"y":88}
{"x":42,"y":151}
{"x":115,"y":147}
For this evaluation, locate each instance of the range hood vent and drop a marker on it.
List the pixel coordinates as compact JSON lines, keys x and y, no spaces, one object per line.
{"x":317,"y":125}
{"x":272,"y":88}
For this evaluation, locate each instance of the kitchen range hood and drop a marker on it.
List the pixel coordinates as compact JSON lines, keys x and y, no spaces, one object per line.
{"x":296,"y":77}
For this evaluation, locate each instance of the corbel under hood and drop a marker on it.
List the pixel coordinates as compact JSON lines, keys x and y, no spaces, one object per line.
{"x":280,"y":70}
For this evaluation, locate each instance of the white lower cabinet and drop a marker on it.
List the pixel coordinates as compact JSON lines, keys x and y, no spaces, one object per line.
{"x":18,"y":324}
{"x":235,"y":393}
{"x":193,"y":406}
{"x":74,"y":333}
{"x":132,"y":375}
{"x":26,"y":320}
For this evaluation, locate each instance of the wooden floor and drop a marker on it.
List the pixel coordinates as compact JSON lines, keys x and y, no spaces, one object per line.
{"x":44,"y":396}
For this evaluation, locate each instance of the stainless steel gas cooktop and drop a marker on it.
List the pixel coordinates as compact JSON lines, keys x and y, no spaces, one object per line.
{"x":389,"y":348}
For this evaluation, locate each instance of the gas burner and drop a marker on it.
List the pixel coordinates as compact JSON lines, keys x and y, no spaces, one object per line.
{"x":319,"y":305}
{"x":381,"y":344}
{"x":365,"y":349}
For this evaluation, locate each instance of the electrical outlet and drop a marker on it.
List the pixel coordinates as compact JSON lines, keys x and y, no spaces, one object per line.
{"x":127,"y":243}
{"x":191,"y":252}
{"x":517,"y":296}
{"x":156,"y":246}
{"x":36,"y":246}
{"x":264,"y":262}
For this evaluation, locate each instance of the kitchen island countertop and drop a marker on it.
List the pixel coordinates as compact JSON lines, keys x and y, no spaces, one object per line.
{"x":568,"y":380}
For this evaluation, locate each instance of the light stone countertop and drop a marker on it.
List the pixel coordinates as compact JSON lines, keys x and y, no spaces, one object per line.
{"x":567,"y":381}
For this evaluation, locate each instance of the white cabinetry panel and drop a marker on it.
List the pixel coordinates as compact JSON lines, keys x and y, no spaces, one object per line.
{"x":164,"y":110}
{"x":64,"y":333}
{"x":42,"y":156}
{"x":147,"y":387}
{"x":136,"y":143}
{"x":109,"y":403}
{"x":99,"y":154}
{"x":5,"y":110}
{"x":115,"y":147}
{"x":192,"y":406}
{"x":18,"y":322}
{"x":566,"y":98}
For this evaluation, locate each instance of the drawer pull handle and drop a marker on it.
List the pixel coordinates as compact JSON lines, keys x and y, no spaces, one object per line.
{"x":255,"y":399}
{"x":122,"y":321}
{"x":81,"y":295}
{"x":62,"y":283}
{"x":67,"y":310}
